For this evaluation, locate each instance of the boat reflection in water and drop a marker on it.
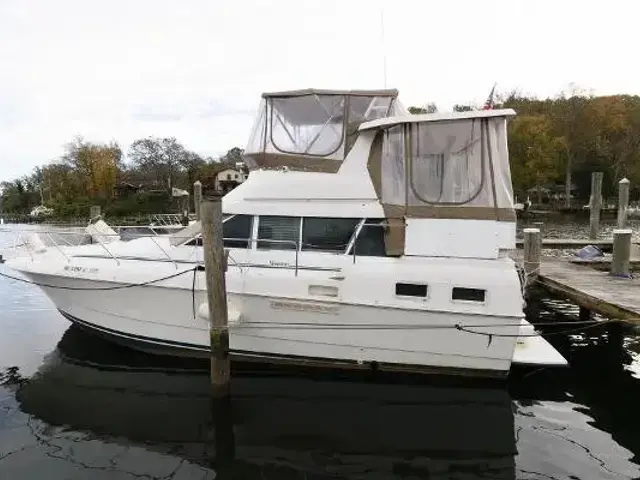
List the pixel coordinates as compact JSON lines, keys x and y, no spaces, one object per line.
{"x":278,"y":426}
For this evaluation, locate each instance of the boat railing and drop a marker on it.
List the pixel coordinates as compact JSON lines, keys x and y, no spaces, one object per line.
{"x":168,"y":219}
{"x":251,"y":241}
{"x":61,"y":239}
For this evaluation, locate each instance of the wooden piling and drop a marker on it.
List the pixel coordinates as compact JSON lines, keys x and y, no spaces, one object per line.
{"x":621,"y":252}
{"x":539,"y":226}
{"x":197,"y":198}
{"x":595,"y":204}
{"x":215,"y":268}
{"x":532,"y":253}
{"x":623,"y":202}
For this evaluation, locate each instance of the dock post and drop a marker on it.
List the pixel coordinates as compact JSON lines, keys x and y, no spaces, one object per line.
{"x":539,"y":226}
{"x":215,"y":269}
{"x":532,"y":252}
{"x":621,"y":253}
{"x":595,"y":204}
{"x":623,"y":202}
{"x":94,"y":212}
{"x":197,"y":198}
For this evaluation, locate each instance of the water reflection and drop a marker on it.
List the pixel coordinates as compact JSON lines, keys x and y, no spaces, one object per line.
{"x":97,"y":411}
{"x":280,"y":427}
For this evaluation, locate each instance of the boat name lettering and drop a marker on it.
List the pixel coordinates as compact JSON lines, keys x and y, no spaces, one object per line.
{"x":72,"y":268}
{"x":279,"y":264}
{"x":304,"y":306}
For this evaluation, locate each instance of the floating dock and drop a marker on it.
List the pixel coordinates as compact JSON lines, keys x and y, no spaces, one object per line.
{"x":592,"y":289}
{"x":606,"y":245}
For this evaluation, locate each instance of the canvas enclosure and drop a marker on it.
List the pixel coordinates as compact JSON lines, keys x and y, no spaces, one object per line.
{"x":313,"y":130}
{"x":453,"y":169}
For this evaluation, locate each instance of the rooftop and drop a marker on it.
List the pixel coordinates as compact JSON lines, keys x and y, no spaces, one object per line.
{"x":319,"y":91}
{"x":436,"y":117}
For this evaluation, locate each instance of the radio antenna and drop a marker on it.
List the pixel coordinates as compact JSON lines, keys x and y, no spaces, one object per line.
{"x":384,"y":50}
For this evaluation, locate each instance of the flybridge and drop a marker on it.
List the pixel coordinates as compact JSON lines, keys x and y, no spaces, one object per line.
{"x":313,"y":129}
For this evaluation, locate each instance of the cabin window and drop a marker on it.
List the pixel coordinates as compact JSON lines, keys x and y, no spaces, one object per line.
{"x":411,"y":289}
{"x":278,"y":233}
{"x":308,"y":124}
{"x":237,"y":231}
{"x":370,"y":240}
{"x":468,"y":294}
{"x":327,"y":234}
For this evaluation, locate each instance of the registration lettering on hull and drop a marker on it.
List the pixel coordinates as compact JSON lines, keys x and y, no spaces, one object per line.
{"x":302,"y":306}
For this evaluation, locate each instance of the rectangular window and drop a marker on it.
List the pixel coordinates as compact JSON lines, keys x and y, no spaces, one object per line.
{"x":411,"y":289}
{"x":237,"y":230}
{"x":327,"y":234}
{"x":278,"y":233}
{"x":370,"y":240}
{"x":468,"y":294}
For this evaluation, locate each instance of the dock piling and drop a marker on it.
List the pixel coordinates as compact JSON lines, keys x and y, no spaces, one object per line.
{"x":197,"y":198}
{"x":215,"y":269}
{"x":532,"y":252}
{"x":620,"y":265}
{"x":595,"y":204}
{"x":623,"y":202}
{"x":539,"y":226}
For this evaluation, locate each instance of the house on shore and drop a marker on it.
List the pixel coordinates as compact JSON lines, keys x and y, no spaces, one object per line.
{"x":228,"y":179}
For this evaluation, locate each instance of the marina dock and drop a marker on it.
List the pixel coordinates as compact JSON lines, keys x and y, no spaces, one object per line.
{"x":606,"y":245}
{"x":592,"y":289}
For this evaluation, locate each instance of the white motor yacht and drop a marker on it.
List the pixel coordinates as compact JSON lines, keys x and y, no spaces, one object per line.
{"x":364,"y":236}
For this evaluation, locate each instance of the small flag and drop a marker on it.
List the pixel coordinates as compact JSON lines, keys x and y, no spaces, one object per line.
{"x":488,"y":105}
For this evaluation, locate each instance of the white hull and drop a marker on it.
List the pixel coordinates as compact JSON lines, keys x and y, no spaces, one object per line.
{"x":378,"y":255}
{"x":161,"y":318}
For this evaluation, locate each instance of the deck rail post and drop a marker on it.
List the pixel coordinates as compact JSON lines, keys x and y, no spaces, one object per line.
{"x":197,"y":198}
{"x":215,"y":269}
{"x":532,"y":253}
{"x":620,"y":265}
{"x":595,"y":204}
{"x":623,"y":202}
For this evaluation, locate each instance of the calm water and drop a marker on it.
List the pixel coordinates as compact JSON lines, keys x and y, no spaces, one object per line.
{"x":75,"y":407}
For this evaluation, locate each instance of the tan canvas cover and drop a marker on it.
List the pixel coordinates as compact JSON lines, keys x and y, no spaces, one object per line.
{"x":457,"y":169}
{"x":313,"y":130}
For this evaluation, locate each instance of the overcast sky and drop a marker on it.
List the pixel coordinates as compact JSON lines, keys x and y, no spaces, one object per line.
{"x":194,"y":69}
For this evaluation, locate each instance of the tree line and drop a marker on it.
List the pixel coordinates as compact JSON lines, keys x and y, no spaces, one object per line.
{"x":556,"y":143}
{"x":91,"y":173}
{"x":554,"y":146}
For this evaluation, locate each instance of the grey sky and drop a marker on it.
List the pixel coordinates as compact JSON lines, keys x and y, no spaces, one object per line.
{"x":194,"y":69}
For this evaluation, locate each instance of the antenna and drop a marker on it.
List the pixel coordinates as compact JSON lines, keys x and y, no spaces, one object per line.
{"x":384,"y":51}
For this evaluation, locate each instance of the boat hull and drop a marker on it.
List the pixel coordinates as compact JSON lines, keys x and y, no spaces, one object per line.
{"x":166,"y":320}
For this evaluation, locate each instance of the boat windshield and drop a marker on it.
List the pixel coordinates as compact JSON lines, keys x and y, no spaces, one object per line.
{"x":303,"y":128}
